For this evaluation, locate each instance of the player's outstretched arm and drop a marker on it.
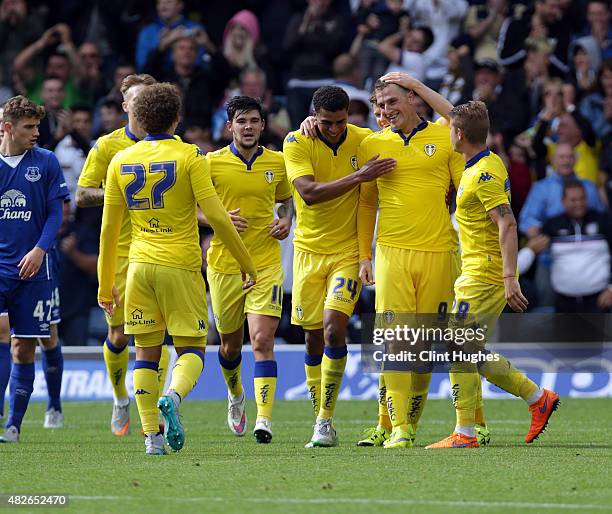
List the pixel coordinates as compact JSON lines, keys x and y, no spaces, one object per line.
{"x":313,"y":192}
{"x":435,"y":100}
{"x":508,"y":240}
{"x":89,"y":196}
{"x":220,"y":222}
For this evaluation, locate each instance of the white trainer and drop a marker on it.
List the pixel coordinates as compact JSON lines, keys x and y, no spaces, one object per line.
{"x":236,"y":414}
{"x":154,"y":444}
{"x":263,"y":430}
{"x":11,"y":435}
{"x":53,"y":419}
{"x":324,"y":435}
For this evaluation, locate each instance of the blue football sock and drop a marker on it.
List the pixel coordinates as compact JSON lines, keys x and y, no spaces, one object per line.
{"x":5,"y":371}
{"x":53,"y":365}
{"x":21,"y":387}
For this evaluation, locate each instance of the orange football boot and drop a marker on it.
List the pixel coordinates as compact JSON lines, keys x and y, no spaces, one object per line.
{"x":455,"y":440}
{"x":540,"y":414}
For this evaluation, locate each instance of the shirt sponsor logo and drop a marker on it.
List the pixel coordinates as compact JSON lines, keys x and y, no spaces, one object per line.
{"x":32,"y":174}
{"x":138,"y":319}
{"x":12,"y":204}
{"x":430,"y":149}
{"x":155,"y":228}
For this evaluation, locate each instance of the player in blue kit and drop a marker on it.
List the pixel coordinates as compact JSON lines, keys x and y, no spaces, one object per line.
{"x":32,"y":191}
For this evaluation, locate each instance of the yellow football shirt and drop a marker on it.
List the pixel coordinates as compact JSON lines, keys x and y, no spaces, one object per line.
{"x":485,"y":185}
{"x":327,"y":227}
{"x":95,"y":169}
{"x":254,"y":187}
{"x":412,"y":198}
{"x":159,"y":179}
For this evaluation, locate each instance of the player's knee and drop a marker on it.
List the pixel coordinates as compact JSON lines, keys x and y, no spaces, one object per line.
{"x":117,"y":338}
{"x":335,"y":335}
{"x":315,"y":342}
{"x":263,"y":345}
{"x":23,"y":350}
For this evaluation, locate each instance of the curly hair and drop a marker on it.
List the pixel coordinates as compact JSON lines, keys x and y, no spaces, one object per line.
{"x":157,"y":107}
{"x":473,"y":118}
{"x":330,"y":98}
{"x":136,"y":80}
{"x":20,"y":107}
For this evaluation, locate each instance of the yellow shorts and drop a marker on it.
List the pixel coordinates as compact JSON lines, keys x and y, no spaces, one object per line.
{"x":230,"y":302}
{"x":414,"y":281}
{"x":118,"y":318}
{"x":478,"y":303}
{"x":323,"y":282}
{"x":160,"y":297}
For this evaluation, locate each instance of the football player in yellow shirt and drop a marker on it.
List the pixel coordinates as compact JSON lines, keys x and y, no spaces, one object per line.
{"x":159,"y":180}
{"x":326,"y":285}
{"x":416,"y":245}
{"x":249,"y":179}
{"x":488,"y":278}
{"x":90,"y":193}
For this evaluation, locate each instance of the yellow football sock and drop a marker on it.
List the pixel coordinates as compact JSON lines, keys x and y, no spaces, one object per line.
{"x":265,"y":387}
{"x":464,"y":385}
{"x":162,"y":369}
{"x":312,"y":367}
{"x":231,"y":373}
{"x":186,"y":372}
{"x":417,"y":396}
{"x":505,"y":376}
{"x":145,"y":390}
{"x":332,"y":369}
{"x":116,"y":361}
{"x":398,"y":383}
{"x":479,"y":416}
{"x":383,"y":414}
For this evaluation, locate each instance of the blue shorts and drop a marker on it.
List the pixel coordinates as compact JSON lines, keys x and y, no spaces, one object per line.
{"x":29,"y":305}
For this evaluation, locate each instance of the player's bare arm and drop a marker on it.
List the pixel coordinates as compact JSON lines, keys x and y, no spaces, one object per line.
{"x":239,"y":222}
{"x":314,"y":192}
{"x":89,"y":196}
{"x":280,"y":227}
{"x":508,"y":240}
{"x":435,"y":100}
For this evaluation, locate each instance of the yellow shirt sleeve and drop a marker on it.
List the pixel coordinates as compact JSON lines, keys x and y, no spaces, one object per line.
{"x":112,"y":193}
{"x":297,"y":157}
{"x":491,"y":193}
{"x":283,"y":189}
{"x":366,"y":210}
{"x":199,"y":172}
{"x":95,"y":167}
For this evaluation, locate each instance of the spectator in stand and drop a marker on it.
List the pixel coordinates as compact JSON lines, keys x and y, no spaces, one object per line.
{"x":544,"y":198}
{"x":543,"y":21}
{"x":581,"y":240}
{"x":592,"y":107}
{"x":20,"y":26}
{"x":240,"y":39}
{"x":483,"y":23}
{"x":71,"y":150}
{"x":501,"y":100}
{"x":376,"y":20}
{"x":112,"y":116}
{"x":122,"y":70}
{"x":91,"y":81}
{"x":59,"y":65}
{"x":572,"y":129}
{"x":347,"y":76}
{"x":53,"y":126}
{"x":411,"y":57}
{"x":458,"y":84}
{"x":312,"y":40}
{"x":170,"y":25}
{"x":599,"y":27}
{"x":444,"y":17}
{"x":201,"y":89}
{"x":586,"y":62}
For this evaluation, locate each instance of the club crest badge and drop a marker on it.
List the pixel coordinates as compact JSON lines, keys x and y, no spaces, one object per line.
{"x":269,"y":176}
{"x":430,"y":149}
{"x":354,"y":162}
{"x":32,"y":174}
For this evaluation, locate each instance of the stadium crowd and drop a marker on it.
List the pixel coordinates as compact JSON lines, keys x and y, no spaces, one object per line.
{"x":543,"y":68}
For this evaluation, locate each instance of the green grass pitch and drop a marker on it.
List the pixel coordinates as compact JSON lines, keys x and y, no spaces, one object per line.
{"x":568,"y":470}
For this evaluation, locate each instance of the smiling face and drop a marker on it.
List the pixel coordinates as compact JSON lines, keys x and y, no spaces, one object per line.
{"x":246,"y":128}
{"x":397,"y":105}
{"x":332,"y":124}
